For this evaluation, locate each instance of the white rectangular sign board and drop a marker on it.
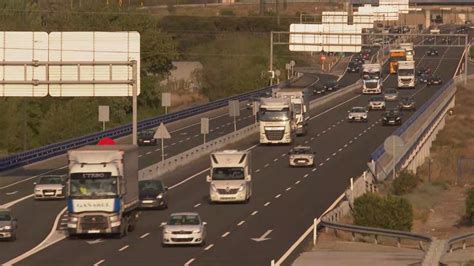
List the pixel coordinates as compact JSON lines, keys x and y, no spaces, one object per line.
{"x":104,"y":113}
{"x":166,"y":99}
{"x":331,"y":17}
{"x":314,"y":41}
{"x":23,"y":47}
{"x":93,"y":47}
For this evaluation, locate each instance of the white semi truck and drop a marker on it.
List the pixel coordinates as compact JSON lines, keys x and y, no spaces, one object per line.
{"x":102,"y":190}
{"x":406,"y":74}
{"x":299,"y":107}
{"x":371,"y":79}
{"x":410,"y":52}
{"x":276,"y":120}
{"x":230,"y":178}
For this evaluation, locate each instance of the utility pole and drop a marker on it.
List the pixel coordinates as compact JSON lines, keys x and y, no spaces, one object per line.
{"x":262,"y":7}
{"x":277,"y":8}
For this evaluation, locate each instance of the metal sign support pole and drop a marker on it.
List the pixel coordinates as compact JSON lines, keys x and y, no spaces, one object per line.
{"x":103,"y":125}
{"x":394,"y":157}
{"x":134,"y":102}
{"x":465,"y":59}
{"x":162,"y":150}
{"x":235,"y":123}
{"x":204,"y":138}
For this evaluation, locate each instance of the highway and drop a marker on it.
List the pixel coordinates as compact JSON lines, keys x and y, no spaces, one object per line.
{"x":18,"y":193}
{"x":279,"y":193}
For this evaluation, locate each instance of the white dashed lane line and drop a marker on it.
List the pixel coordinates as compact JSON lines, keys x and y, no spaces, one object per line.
{"x":258,"y":170}
{"x":197,"y":205}
{"x":266,"y":165}
{"x":123,"y":248}
{"x":140,"y":155}
{"x":288,"y":189}
{"x":327,"y":159}
{"x":297,"y":182}
{"x":209,"y":247}
{"x":253,"y":213}
{"x":321,"y":164}
{"x":148,"y":153}
{"x":277,"y":196}
{"x":99,"y":262}
{"x":241,"y":223}
{"x":312,"y":170}
{"x":306,"y":175}
{"x":340,"y":149}
{"x":189,"y":262}
{"x":266,"y":204}
{"x":276,"y":159}
{"x":144,"y":235}
{"x":225,"y":234}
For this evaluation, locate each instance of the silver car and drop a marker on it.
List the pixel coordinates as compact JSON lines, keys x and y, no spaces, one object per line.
{"x":50,"y":187}
{"x":391,"y":95}
{"x":184,"y":228}
{"x":301,"y":156}
{"x":377,"y":102}
{"x":358,"y":114}
{"x":8,"y":225}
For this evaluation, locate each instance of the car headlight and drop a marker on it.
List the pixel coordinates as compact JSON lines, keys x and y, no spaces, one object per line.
{"x":241,"y":188}
{"x":197,"y":231}
{"x":160,"y":196}
{"x":350,"y":116}
{"x":213,"y":187}
{"x":385,"y":118}
{"x":114,"y":218}
{"x":73,"y":219}
{"x":398,"y":118}
{"x":37,"y":190}
{"x":7,"y":227}
{"x":364,"y":116}
{"x":166,"y":231}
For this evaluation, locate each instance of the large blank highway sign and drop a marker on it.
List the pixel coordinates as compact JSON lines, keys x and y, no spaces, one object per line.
{"x":23,"y":47}
{"x":93,"y":47}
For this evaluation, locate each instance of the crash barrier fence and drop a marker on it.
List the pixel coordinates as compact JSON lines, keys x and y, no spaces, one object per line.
{"x":455,"y":241}
{"x":163,"y":167}
{"x":377,"y":232}
{"x":55,"y":149}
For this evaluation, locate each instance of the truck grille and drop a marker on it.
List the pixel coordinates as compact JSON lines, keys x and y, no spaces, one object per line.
{"x":94,"y":222}
{"x":406,"y":80}
{"x":274,"y":134}
{"x":230,"y":191}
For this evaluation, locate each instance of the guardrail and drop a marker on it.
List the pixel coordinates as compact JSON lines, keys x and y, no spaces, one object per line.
{"x":55,"y":149}
{"x":399,"y":235}
{"x":457,"y":239}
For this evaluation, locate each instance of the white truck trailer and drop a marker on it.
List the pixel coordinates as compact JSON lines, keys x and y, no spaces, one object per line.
{"x":410,"y":52}
{"x":230,"y":177}
{"x":299,"y":107}
{"x":102,"y":190}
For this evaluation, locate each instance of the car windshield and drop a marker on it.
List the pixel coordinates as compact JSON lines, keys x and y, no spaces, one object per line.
{"x":228,"y":173}
{"x":5,"y":216}
{"x":151,"y":186}
{"x":146,"y":134}
{"x":93,"y":184}
{"x":274,"y":115}
{"x":377,"y":99}
{"x":300,"y":151}
{"x":407,"y":99}
{"x":184,"y":220}
{"x":353,"y":64}
{"x":50,"y":180}
{"x":358,"y":110}
{"x":391,"y":92}
{"x":391,"y":113}
{"x":406,"y":72}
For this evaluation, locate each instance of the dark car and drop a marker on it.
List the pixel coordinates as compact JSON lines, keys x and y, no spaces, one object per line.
{"x":318,"y":89}
{"x":405,"y":29}
{"x":423,"y":78}
{"x":432,"y":52}
{"x":423,"y":70}
{"x":430,"y":39}
{"x":434,"y":80}
{"x":8,"y":225}
{"x":358,"y":59}
{"x":153,"y":193}
{"x":392,"y":117}
{"x":353,"y":67}
{"x":407,"y":103}
{"x":146,"y":137}
{"x":251,"y":101}
{"x":331,"y":86}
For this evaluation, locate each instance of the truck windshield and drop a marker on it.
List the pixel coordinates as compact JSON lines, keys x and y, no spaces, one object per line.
{"x":406,"y":72}
{"x":228,"y":173}
{"x":368,"y":76}
{"x":92,"y":184}
{"x":274,"y":115}
{"x":371,"y":84}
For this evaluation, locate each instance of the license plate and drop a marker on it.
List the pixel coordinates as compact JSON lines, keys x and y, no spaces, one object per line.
{"x":49,"y":193}
{"x":93,"y":231}
{"x":301,"y":161}
{"x":147,"y":201}
{"x":146,"y":141}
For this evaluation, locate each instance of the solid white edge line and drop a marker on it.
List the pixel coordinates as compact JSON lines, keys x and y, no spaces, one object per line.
{"x":43,"y":243}
{"x":187,"y":179}
{"x":32,"y":177}
{"x":12,"y":203}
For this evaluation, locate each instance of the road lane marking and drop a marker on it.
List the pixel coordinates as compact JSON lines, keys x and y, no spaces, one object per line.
{"x":189,"y":262}
{"x":188,"y":138}
{"x":327,"y":159}
{"x":123,"y":248}
{"x":277,"y":196}
{"x":321,"y":164}
{"x":197,"y":135}
{"x":266,"y":204}
{"x":312,"y":170}
{"x":288,"y":189}
{"x":334,"y":154}
{"x":345,"y":145}
{"x":144,"y":235}
{"x":283,"y":155}
{"x":340,"y":149}
{"x":11,"y":203}
{"x":253,"y":213}
{"x":334,"y":107}
{"x":197,"y":205}
{"x":297,"y":182}
{"x":209,"y":247}
{"x":157,"y":149}
{"x":187,"y":179}
{"x":33,"y":177}
{"x":266,"y":165}
{"x":312,"y":138}
{"x":306,"y":175}
{"x":241,"y":223}
{"x":148,"y":153}
{"x":258,"y":170}
{"x":141,"y":155}
{"x":350,"y":141}
{"x":174,"y":143}
{"x":225,"y":234}
{"x":276,"y":159}
{"x":99,"y":262}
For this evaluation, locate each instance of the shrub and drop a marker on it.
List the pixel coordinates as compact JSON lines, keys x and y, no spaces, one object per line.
{"x":383,"y":212}
{"x":470,"y":205}
{"x":472,"y":51}
{"x":404,"y":183}
{"x":227,"y":12}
